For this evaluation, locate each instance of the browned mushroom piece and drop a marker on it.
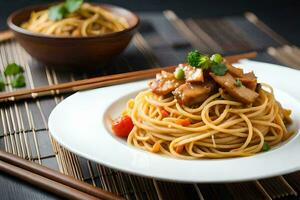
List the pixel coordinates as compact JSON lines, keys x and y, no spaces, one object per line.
{"x":198,"y":85}
{"x":191,"y":93}
{"x":242,"y":94}
{"x":234,"y":71}
{"x":248,"y":79}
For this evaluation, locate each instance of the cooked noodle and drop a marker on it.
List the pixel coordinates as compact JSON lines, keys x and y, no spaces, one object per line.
{"x":88,"y":20}
{"x":219,"y":128}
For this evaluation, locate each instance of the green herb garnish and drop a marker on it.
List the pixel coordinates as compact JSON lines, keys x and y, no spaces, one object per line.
{"x":196,"y":59}
{"x":16,"y":71}
{"x":219,"y":69}
{"x":58,"y":12}
{"x":13,"y":69}
{"x":73,"y":5}
{"x":266,"y":147}
{"x":19,"y":81}
{"x":2,"y":84}
{"x":193,"y":58}
{"x":238,"y":83}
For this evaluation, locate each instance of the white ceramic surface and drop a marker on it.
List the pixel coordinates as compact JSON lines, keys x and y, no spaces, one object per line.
{"x":81,"y":123}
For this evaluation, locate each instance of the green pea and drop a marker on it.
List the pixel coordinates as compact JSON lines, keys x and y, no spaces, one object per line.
{"x":217,"y":58}
{"x":179,"y":74}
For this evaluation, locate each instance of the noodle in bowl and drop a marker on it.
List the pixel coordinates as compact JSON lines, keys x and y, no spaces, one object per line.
{"x":88,"y":20}
{"x":66,"y":52}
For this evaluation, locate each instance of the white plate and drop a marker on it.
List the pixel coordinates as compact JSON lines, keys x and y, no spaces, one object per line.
{"x":81,"y":124}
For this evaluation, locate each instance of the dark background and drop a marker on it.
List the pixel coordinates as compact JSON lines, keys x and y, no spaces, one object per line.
{"x":283,"y":16}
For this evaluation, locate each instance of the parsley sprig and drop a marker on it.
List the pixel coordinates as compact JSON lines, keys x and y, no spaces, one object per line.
{"x":199,"y":60}
{"x":19,"y":81}
{"x":16,"y":72}
{"x":2,"y":84}
{"x":60,"y":11}
{"x":13,"y":69}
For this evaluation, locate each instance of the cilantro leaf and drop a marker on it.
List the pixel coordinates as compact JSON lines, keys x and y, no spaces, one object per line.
{"x":2,"y":84}
{"x":57,"y":12}
{"x":73,"y":5}
{"x":13,"y":69}
{"x":19,"y":81}
{"x":219,"y":69}
{"x":238,"y":83}
{"x":266,"y":147}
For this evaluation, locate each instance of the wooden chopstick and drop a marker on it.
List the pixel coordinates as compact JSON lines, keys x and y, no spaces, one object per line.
{"x":59,"y":88}
{"x":98,"y":81}
{"x":44,"y":183}
{"x":50,"y":180}
{"x":6,"y":35}
{"x":235,"y":58}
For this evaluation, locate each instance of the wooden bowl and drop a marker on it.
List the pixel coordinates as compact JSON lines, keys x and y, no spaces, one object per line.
{"x":73,"y":52}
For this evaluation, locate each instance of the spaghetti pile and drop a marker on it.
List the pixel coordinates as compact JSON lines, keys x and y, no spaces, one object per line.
{"x":219,"y":127}
{"x":213,"y":110}
{"x":87,"y":20}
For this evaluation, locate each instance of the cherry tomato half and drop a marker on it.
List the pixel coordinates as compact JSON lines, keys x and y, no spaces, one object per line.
{"x":122,"y":126}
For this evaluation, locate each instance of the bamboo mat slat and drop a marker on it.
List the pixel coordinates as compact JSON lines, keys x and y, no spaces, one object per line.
{"x":163,"y":39}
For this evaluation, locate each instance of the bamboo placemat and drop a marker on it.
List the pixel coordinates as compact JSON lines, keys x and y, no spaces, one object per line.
{"x":163,"y":40}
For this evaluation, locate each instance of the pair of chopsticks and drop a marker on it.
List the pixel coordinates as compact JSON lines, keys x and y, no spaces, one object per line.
{"x":97,"y":82}
{"x":50,"y":180}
